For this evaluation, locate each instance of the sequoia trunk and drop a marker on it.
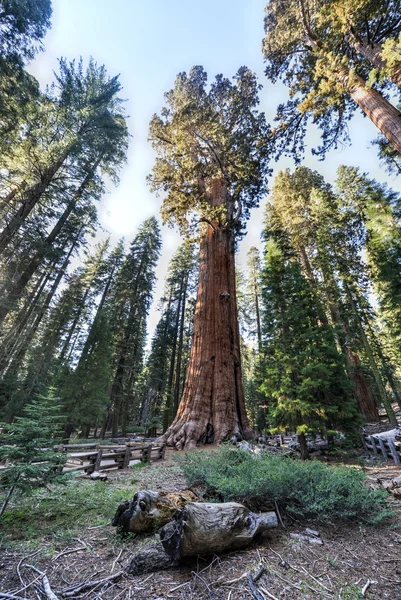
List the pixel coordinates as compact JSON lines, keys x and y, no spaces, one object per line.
{"x":372,"y":52}
{"x":375,"y":106}
{"x":212,"y":406}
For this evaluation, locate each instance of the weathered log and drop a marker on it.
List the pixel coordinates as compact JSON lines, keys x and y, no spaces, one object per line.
{"x":149,"y":559}
{"x":148,"y":511}
{"x":202,"y":529}
{"x":205,"y":528}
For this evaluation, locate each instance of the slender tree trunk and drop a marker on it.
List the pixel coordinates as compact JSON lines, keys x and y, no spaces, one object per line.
{"x":372,"y":52}
{"x":7,"y":500}
{"x":180,"y":349}
{"x":307,"y":268}
{"x":18,"y":286}
{"x":372,"y":362}
{"x":17,"y":359}
{"x":167,"y":410}
{"x":362,"y":394}
{"x":303,"y":446}
{"x":29,"y":201}
{"x":212,"y":407}
{"x":258,"y":324}
{"x":74,"y":324}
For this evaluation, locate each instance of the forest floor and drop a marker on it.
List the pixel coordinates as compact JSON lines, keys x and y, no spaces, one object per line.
{"x":66,"y":533}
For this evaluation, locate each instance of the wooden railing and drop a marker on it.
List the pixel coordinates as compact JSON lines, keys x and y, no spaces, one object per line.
{"x":94,"y":457}
{"x":387,"y":447}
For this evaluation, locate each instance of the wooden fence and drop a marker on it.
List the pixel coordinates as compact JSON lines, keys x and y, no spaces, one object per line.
{"x":388,"y":448}
{"x":94,"y":457}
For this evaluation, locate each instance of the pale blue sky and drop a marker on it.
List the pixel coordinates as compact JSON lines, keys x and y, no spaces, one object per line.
{"x":148,"y":42}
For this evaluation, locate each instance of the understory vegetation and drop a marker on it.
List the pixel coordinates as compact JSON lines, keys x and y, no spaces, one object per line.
{"x":303,"y":489}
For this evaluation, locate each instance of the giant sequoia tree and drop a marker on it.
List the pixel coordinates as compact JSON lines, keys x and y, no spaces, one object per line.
{"x":334,"y":56}
{"x":212,"y":164}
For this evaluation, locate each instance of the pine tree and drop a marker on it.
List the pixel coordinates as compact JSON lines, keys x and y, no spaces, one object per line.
{"x":212,"y":155}
{"x":27,"y":448}
{"x":304,"y":206}
{"x":133,"y":298}
{"x":305,"y":378}
{"x":80,"y":115}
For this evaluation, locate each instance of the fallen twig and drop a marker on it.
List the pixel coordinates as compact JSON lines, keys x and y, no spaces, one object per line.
{"x":47,"y":589}
{"x":254,"y":591}
{"x":268,"y":594}
{"x":72,"y":591}
{"x":367,"y":585}
{"x":117,"y":559}
{"x":279,"y":515}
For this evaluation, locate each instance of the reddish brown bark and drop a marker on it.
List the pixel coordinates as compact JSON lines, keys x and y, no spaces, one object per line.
{"x":362,"y":394}
{"x":212,"y":406}
{"x":372,"y":52}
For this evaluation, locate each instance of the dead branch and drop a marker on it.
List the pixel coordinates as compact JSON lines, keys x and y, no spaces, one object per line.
{"x":74,"y":590}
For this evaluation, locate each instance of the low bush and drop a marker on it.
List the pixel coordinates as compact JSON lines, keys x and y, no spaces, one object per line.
{"x":306,"y":489}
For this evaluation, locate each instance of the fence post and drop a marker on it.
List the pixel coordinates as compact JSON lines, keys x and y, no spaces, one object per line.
{"x":394,"y":453}
{"x":98,"y":460}
{"x":373,"y":442}
{"x":127,"y":456}
{"x":383,"y":448}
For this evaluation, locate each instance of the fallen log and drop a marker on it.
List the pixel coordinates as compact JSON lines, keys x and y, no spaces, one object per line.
{"x":148,"y":511}
{"x":206,"y":528}
{"x":202,"y":529}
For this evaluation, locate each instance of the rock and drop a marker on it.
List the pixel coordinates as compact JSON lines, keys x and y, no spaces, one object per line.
{"x":97,"y":476}
{"x":300,"y":537}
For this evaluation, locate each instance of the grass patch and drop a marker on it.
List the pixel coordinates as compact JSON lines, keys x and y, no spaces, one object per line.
{"x":62,"y":512}
{"x":301,"y":488}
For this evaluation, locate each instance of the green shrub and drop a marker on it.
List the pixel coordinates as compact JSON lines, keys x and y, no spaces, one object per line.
{"x":306,"y":489}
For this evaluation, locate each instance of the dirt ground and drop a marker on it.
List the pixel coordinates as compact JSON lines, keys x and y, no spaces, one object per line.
{"x":352,"y":563}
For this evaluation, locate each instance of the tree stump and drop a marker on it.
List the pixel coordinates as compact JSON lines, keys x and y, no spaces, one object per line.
{"x":148,"y":511}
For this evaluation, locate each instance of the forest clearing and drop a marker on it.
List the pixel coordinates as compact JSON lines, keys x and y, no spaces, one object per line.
{"x":200,"y":299}
{"x":67,"y":534}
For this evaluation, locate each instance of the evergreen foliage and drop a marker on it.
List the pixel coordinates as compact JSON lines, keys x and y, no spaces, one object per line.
{"x":330,"y":54}
{"x":305,"y":378}
{"x":309,"y":489}
{"x":27,"y":448}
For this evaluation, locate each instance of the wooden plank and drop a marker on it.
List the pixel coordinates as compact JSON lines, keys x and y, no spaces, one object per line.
{"x":82,"y":455}
{"x":105,"y":467}
{"x":373,"y":442}
{"x":394,"y":453}
{"x":114,"y":455}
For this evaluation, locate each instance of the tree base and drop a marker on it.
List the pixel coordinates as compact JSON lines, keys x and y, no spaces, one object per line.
{"x":185,"y":435}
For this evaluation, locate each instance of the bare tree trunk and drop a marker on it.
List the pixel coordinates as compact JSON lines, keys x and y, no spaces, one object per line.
{"x":212,"y":407}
